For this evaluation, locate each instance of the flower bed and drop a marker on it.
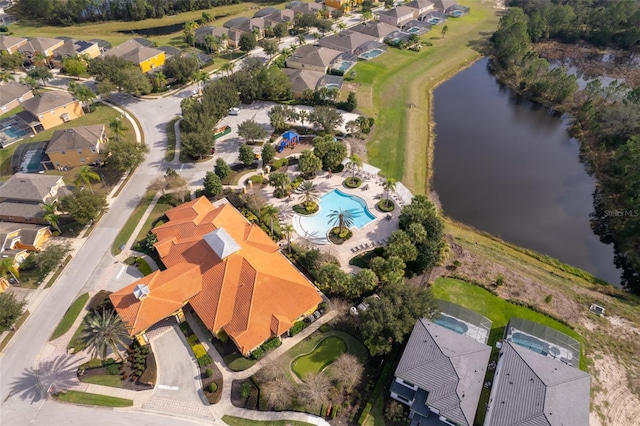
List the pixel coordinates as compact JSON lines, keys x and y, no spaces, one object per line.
{"x":386,"y":206}
{"x":210,"y":375}
{"x":337,"y":237}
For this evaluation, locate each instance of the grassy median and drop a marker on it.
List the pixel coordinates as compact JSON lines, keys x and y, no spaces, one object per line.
{"x":86,"y":398}
{"x":395,"y":88}
{"x":70,"y":316}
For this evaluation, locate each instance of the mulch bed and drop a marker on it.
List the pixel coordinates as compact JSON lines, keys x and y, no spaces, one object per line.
{"x":212,"y":397}
{"x":237,"y":400}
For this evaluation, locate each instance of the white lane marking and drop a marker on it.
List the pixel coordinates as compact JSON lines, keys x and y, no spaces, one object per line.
{"x":167,"y":387}
{"x":121,"y":271}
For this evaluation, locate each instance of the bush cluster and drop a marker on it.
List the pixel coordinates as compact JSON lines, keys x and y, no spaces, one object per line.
{"x":297,"y":327}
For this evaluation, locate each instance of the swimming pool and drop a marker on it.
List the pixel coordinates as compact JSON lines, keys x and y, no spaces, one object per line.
{"x":344,"y":66}
{"x":434,"y":21}
{"x":371,"y":54}
{"x":452,"y":324}
{"x":413,"y":30}
{"x":530,"y":342}
{"x":315,"y":227}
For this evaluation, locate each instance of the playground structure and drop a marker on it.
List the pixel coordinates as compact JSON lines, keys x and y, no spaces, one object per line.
{"x":289,"y":140}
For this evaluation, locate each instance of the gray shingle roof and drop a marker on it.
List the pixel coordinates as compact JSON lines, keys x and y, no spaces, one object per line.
{"x":75,"y":138}
{"x":18,"y":209}
{"x":11,"y":91}
{"x":133,"y":51}
{"x":315,"y":55}
{"x":531,"y":389}
{"x":31,"y":187}
{"x":346,"y":40}
{"x":47,"y":101}
{"x":27,"y":231}
{"x":419,"y":4}
{"x":302,"y":80}
{"x":7,"y":42}
{"x":374,"y":29}
{"x":449,"y":366}
{"x":39,"y":44}
{"x":397,"y":12}
{"x":444,"y":4}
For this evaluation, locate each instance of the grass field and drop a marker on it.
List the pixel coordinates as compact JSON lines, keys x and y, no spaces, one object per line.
{"x":395,"y":89}
{"x":238,"y":421}
{"x":322,"y":355}
{"x":116,"y":32}
{"x":237,"y":362}
{"x":85,"y":398}
{"x":70,"y":316}
{"x":104,"y":380}
{"x":101,"y":114}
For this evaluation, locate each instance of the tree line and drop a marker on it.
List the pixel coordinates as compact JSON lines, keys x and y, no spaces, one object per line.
{"x":606,"y":119}
{"x":69,"y":12}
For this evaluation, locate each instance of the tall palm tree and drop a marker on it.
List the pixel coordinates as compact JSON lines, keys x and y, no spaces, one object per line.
{"x":341,"y":218}
{"x":201,"y":77}
{"x":269,"y":212}
{"x":355,"y":163}
{"x":8,"y":266}
{"x":309,"y":192}
{"x":444,"y":31}
{"x":301,"y":39}
{"x":117,"y":127}
{"x":288,"y":229}
{"x":85,"y":176}
{"x":227,"y":68}
{"x":103,"y":331}
{"x":303,"y":116}
{"x":50,"y":215}
{"x":389,"y":186}
{"x":30,"y":82}
{"x":82,"y":93}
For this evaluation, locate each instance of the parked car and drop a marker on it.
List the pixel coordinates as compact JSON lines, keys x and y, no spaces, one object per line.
{"x":234,"y":111}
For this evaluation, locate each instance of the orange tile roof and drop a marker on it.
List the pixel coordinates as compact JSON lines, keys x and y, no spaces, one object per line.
{"x":254,"y":293}
{"x":169,"y":290}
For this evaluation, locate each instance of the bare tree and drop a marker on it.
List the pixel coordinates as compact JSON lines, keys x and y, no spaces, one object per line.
{"x":314,"y":390}
{"x":278,"y":393}
{"x":347,"y":371}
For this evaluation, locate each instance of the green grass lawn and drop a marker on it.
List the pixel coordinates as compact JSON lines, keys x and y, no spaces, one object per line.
{"x":171,"y":140}
{"x":85,"y":398}
{"x":324,"y":354}
{"x":70,"y":316}
{"x":101,"y":114}
{"x":237,"y":362}
{"x":395,"y":89}
{"x":132,"y":222}
{"x":238,"y":421}
{"x":11,"y":112}
{"x":143,"y":266}
{"x":498,"y":310}
{"x":110,"y":380}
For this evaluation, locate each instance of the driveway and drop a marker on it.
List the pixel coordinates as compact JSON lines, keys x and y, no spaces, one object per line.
{"x":178,"y":386}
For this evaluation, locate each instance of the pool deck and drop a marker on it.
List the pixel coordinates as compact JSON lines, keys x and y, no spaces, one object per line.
{"x":377,"y":230}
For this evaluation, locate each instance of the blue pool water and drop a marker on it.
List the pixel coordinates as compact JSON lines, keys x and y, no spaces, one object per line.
{"x":371,"y":54}
{"x":452,"y":324}
{"x":530,"y":342}
{"x":315,"y":227}
{"x":344,"y":66}
{"x":434,"y":21}
{"x":413,"y":30}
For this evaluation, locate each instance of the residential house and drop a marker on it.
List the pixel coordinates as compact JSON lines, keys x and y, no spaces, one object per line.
{"x":346,"y":41}
{"x":531,"y":388}
{"x":147,"y":58}
{"x":279,"y":17}
{"x":42,"y":45}
{"x":78,"y":146}
{"x":4,"y":284}
{"x":396,"y":16}
{"x":80,"y":48}
{"x":265,"y":11}
{"x":375,"y":29}
{"x":254,"y":25}
{"x":49,"y":109}
{"x":22,"y":196}
{"x":228,"y":270}
{"x":301,"y":8}
{"x":441,"y":373}
{"x":443,"y":5}
{"x":11,"y":94}
{"x":303,"y":80}
{"x":312,"y":58}
{"x":420,"y":8}
{"x":10,"y":45}
{"x":344,"y":5}
{"x":221,"y":33}
{"x":18,"y":239}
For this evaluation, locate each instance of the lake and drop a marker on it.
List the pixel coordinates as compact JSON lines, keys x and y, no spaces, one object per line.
{"x":508,"y":167}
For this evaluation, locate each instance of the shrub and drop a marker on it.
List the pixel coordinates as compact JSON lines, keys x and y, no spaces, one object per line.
{"x":271,"y":344}
{"x":324,"y":328}
{"x":204,"y":360}
{"x":297,"y":327}
{"x":222,"y":336}
{"x":386,"y":205}
{"x":352,"y":182}
{"x":257,"y":353}
{"x":548,"y":298}
{"x":245,"y":390}
{"x":257,"y":179}
{"x":192,"y":339}
{"x":457,"y":263}
{"x":113,"y":369}
{"x":198,"y":350}
{"x":213,"y":387}
{"x":281,"y":162}
{"x":499,"y":280}
{"x":92,"y":363}
{"x":208,"y":372}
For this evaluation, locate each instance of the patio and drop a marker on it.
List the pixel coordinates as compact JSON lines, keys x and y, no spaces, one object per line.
{"x":370,"y":236}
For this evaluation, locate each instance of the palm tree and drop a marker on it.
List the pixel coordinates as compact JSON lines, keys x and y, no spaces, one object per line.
{"x":227,"y":68}
{"x":50,"y":215}
{"x":309,"y":192}
{"x":31,"y":82}
{"x":117,"y":127}
{"x":102,"y":331}
{"x":85,"y":176}
{"x":341,"y":25}
{"x":341,"y":218}
{"x":355,"y":163}
{"x":8,"y":266}
{"x":288,"y":229}
{"x":159,"y":80}
{"x":269,"y":212}
{"x":82,"y":93}
{"x":41,"y":57}
{"x":301,"y":39}
{"x":201,"y":77}
{"x":389,"y":186}
{"x":211,"y":43}
{"x":444,"y":31}
{"x":303,"y":116}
